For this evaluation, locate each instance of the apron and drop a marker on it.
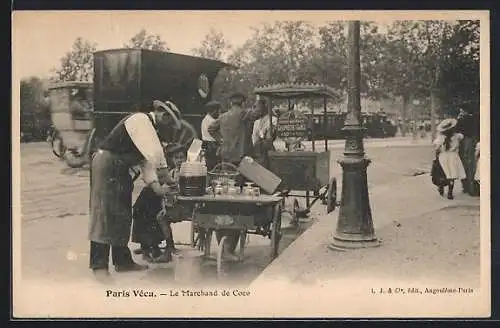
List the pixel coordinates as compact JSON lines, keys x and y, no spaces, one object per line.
{"x":110,"y":199}
{"x":111,"y":187}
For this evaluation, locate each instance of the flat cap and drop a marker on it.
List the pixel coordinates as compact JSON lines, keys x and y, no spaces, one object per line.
{"x":238,"y":95}
{"x":213,"y":104}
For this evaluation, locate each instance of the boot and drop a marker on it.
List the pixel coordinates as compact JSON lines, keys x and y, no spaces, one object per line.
{"x":165,"y":257}
{"x":102,"y":276}
{"x":130,"y":267}
{"x":450,"y":190}
{"x":167,"y":232}
{"x":441,"y":190}
{"x":122,"y":260}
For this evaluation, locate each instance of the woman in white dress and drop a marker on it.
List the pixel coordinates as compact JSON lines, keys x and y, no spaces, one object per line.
{"x":447,"y":144}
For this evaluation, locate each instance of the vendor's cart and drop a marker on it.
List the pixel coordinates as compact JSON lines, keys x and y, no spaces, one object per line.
{"x":259,"y":215}
{"x":301,"y":170}
{"x":234,"y":211}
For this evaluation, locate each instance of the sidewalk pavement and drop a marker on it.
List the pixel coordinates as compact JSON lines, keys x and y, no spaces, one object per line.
{"x":407,"y":141}
{"x":391,"y":205}
{"x":426,"y":240}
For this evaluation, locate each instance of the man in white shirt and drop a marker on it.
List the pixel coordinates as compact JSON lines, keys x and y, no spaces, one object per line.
{"x":135,"y":140}
{"x":261,"y":136}
{"x":210,"y":145}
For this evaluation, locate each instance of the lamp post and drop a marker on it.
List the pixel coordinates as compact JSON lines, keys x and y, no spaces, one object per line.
{"x":354,"y":226}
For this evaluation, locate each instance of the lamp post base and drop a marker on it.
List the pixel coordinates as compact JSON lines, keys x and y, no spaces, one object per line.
{"x":343,"y":243}
{"x":355,"y":225}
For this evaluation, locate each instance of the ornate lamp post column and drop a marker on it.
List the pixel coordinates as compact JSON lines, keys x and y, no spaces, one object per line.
{"x":354,"y":225}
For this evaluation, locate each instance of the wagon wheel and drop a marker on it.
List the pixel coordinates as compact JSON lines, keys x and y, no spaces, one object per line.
{"x":57,"y":145}
{"x":331,"y":196}
{"x":220,"y":253}
{"x":74,"y":159}
{"x":276,"y":233}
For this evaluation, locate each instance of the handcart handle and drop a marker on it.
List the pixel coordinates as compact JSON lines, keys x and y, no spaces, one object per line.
{"x":224,"y":164}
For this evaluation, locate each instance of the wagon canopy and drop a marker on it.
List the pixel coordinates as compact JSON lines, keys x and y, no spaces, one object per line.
{"x":297,"y":90}
{"x":70,"y":84}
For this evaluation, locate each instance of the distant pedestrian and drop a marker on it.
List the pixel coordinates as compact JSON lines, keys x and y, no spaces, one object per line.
{"x":447,"y":144}
{"x":476,"y":174}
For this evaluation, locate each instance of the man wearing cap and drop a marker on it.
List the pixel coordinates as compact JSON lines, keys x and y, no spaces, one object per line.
{"x":210,"y":145}
{"x":134,"y":141}
{"x":233,"y":130}
{"x":468,"y":126}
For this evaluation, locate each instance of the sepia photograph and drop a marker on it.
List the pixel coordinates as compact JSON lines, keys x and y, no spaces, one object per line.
{"x":251,"y":164}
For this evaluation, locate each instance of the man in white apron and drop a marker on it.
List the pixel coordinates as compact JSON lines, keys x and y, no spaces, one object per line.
{"x":135,"y":140}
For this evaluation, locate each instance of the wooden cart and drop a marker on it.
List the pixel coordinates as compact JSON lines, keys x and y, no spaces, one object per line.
{"x":301,"y":170}
{"x":71,"y":108}
{"x":259,"y":215}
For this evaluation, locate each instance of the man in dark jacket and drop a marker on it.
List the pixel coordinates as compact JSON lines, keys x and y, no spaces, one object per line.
{"x":468,"y":125}
{"x":233,"y":131}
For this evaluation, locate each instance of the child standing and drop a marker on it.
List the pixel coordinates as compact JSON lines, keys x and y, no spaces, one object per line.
{"x":447,"y":144}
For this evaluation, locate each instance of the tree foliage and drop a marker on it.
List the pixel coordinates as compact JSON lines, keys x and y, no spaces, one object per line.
{"x":34,"y":106}
{"x":145,"y":40}
{"x":460,"y":76}
{"x":405,"y":59}
{"x":77,"y":64}
{"x":213,"y":46}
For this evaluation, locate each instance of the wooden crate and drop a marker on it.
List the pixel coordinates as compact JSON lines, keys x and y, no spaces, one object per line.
{"x":302,"y":170}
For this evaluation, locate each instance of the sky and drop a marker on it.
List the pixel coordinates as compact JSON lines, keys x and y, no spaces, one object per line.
{"x":40,"y":39}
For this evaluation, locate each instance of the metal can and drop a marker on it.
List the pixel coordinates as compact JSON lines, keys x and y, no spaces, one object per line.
{"x":248,"y":190}
{"x":218,"y":189}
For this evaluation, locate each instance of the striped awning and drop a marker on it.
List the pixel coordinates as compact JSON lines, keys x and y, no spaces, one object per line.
{"x":297,"y":90}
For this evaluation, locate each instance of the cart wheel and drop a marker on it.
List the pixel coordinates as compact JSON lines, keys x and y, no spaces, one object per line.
{"x":220,"y":252}
{"x":331,"y":196}
{"x":276,"y":231}
{"x":207,"y":242}
{"x":243,"y":242}
{"x":58,"y":148}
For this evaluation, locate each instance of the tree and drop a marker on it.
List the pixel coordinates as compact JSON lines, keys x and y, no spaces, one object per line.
{"x":401,"y":70}
{"x":461,"y":71}
{"x":332,"y":58}
{"x":35,"y":115}
{"x":145,"y":40}
{"x":275,"y":53}
{"x":213,"y":46}
{"x":77,"y":64}
{"x":331,"y":61}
